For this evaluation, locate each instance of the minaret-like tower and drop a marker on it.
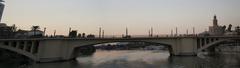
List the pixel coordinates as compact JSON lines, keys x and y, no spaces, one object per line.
{"x":1,"y":9}
{"x":215,"y":21}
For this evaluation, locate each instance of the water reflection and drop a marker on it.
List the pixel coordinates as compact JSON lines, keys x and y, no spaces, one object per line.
{"x":126,"y":58}
{"x":143,"y":59}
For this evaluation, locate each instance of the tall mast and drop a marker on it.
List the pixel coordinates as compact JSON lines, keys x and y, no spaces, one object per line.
{"x":100,"y":29}
{"x":151,"y":32}
{"x":102,"y":33}
{"x":176,"y":31}
{"x":54,"y":34}
{"x":126,"y":31}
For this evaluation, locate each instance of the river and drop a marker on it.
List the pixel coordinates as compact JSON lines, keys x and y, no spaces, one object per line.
{"x":143,"y":59}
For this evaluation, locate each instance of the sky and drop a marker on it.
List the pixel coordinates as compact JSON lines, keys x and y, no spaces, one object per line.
{"x":115,"y":15}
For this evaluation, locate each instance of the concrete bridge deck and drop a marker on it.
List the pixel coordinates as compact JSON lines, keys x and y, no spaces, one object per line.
{"x":56,"y":49}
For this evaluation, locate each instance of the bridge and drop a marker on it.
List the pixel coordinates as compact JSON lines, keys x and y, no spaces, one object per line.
{"x":58,"y":49}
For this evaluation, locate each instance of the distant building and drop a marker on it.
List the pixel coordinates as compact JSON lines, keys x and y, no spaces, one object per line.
{"x":10,"y":31}
{"x":59,"y":36}
{"x":216,"y":29}
{"x":21,"y":34}
{"x":73,"y":34}
{"x":28,"y":34}
{"x":237,"y":29}
{"x":6,"y":31}
{"x":90,"y":36}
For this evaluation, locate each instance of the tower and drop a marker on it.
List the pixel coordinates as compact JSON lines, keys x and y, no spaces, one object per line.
{"x":1,"y":9}
{"x":151,"y":32}
{"x":216,"y":29}
{"x":215,"y":21}
{"x":176,"y":32}
{"x":102,"y":33}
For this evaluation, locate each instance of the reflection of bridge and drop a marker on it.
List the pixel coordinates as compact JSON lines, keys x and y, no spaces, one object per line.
{"x":56,"y":49}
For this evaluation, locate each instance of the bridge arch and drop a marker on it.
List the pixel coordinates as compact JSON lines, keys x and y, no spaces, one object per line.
{"x":19,"y":51}
{"x":213,"y":44}
{"x":78,"y":48}
{"x":6,"y":45}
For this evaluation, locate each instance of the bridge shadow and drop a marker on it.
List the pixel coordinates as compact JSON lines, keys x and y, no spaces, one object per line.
{"x":11,"y":59}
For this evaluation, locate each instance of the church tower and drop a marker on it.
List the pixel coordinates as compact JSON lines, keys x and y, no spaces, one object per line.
{"x":215,"y":21}
{"x":216,"y":29}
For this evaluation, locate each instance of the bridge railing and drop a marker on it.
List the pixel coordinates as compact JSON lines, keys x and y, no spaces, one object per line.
{"x":134,"y":36}
{"x":123,"y":37}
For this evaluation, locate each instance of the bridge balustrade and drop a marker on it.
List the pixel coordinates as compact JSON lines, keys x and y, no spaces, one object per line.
{"x":27,"y":45}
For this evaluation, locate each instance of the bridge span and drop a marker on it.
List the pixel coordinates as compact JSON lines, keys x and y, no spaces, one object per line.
{"x":58,"y":49}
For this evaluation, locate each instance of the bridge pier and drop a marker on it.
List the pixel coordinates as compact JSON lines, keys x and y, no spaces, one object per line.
{"x":185,"y":47}
{"x":17,"y":44}
{"x":32,"y":47}
{"x":25,"y":45}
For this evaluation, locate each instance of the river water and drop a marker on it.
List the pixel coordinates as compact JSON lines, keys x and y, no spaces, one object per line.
{"x":136,"y":59}
{"x":143,"y":59}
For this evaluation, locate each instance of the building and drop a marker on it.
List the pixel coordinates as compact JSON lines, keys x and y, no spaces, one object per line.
{"x":216,"y":29}
{"x":73,"y":34}
{"x":237,"y":29}
{"x":1,"y":9}
{"x":90,"y":36}
{"x":10,"y":31}
{"x":28,"y":34}
{"x":6,"y":31}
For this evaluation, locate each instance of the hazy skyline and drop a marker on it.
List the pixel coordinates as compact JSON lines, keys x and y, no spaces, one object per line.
{"x":115,"y":15}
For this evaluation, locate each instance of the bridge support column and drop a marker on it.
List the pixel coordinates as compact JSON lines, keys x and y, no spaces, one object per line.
{"x":204,"y":41}
{"x":52,"y":50}
{"x":25,"y":46}
{"x":10,"y":43}
{"x":207,"y":41}
{"x":32,"y":46}
{"x":185,"y":47}
{"x":17,"y":45}
{"x":200,"y":43}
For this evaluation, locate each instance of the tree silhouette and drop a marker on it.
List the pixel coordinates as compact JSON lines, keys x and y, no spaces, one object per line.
{"x":34,"y":29}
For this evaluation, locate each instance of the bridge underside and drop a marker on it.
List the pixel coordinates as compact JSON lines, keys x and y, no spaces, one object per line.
{"x":211,"y":46}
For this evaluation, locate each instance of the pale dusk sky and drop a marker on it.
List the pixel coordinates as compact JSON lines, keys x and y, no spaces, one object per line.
{"x":115,"y":15}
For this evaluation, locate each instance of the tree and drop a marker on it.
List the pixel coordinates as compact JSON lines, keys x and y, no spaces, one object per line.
{"x":83,"y":35}
{"x":34,"y":29}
